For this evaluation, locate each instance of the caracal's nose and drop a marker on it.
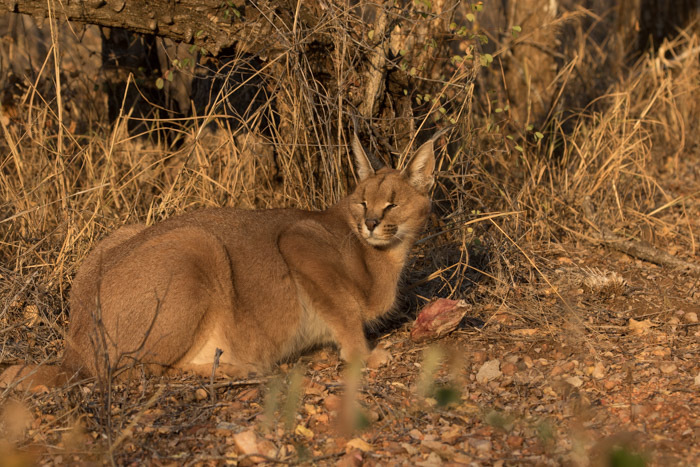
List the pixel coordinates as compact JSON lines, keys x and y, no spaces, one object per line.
{"x":371,"y":224}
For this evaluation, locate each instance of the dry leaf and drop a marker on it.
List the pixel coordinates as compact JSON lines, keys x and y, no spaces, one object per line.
{"x":514,"y":441}
{"x":358,"y":443}
{"x":451,"y":434}
{"x":379,"y":357}
{"x":249,"y":394}
{"x":411,"y":450}
{"x":31,"y":314}
{"x":351,"y":459}
{"x":509,"y":368}
{"x":669,"y":368}
{"x":436,"y":446}
{"x":503,"y":317}
{"x":690,"y":317}
{"x":640,"y":327}
{"x":305,"y":432}
{"x":267,"y":447}
{"x":433,"y":460}
{"x":332,"y":402}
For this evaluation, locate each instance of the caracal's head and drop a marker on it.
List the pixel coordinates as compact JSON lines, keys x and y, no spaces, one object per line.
{"x":389,"y":207}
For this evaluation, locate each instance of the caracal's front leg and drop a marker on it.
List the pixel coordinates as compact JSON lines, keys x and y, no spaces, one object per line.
{"x":327,"y":287}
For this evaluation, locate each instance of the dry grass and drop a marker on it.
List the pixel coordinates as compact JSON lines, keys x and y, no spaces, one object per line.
{"x":506,"y":190}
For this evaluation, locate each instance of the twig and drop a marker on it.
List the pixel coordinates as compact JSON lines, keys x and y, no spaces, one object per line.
{"x":636,"y":249}
{"x":245,"y":382}
{"x":127,"y":431}
{"x":212,"y":389}
{"x":273,"y":460}
{"x":226,"y":384}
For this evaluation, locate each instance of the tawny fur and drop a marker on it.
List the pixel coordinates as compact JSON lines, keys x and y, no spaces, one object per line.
{"x":259,"y":285}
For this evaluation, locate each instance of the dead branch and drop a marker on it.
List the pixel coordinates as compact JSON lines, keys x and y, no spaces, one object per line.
{"x":636,"y":249}
{"x":209,"y":24}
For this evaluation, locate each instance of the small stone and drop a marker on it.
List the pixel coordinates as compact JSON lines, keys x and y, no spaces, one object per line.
{"x":575,"y":381}
{"x":201,"y":394}
{"x":489,"y":371}
{"x":246,"y":442}
{"x":690,"y":317}
{"x":481,"y":445}
{"x":598,"y":371}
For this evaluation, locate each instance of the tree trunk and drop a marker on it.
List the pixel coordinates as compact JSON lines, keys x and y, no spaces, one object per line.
{"x":659,"y":20}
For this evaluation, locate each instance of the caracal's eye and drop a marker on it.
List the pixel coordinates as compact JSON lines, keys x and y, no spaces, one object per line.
{"x":389,"y":206}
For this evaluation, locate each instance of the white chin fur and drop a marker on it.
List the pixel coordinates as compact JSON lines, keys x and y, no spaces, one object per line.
{"x":375,"y":241}
{"x":379,"y":242}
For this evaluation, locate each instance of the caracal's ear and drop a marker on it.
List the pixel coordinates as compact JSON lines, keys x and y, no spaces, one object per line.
{"x":420,"y":168}
{"x":362,"y":162}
